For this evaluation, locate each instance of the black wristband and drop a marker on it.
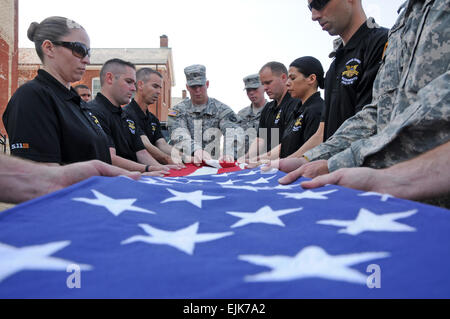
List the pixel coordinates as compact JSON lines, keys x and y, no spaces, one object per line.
{"x":147,"y":167}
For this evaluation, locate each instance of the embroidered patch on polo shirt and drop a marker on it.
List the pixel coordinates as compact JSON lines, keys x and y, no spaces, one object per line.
{"x":131,"y":126}
{"x":351,"y":73}
{"x":18,"y":146}
{"x":298,"y":124}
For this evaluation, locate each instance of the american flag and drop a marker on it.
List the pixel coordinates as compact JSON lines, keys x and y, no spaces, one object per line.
{"x":234,"y":235}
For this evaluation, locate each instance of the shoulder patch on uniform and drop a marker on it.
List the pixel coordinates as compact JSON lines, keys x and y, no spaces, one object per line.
{"x":384,"y":50}
{"x":172,"y":112}
{"x":232,"y":118}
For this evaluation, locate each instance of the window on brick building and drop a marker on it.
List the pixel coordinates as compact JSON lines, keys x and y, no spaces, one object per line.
{"x":95,"y":86}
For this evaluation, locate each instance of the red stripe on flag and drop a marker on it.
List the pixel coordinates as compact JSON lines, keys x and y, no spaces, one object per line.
{"x":191,"y":168}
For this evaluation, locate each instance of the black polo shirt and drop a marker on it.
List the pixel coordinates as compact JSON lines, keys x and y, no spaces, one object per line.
{"x":349,"y":80}
{"x":277,"y":117}
{"x":303,"y":124}
{"x":46,"y":122}
{"x":122,"y":131}
{"x":147,"y":122}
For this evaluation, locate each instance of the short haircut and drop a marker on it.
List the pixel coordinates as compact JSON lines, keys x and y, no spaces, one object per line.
{"x":115,"y":66}
{"x":81,"y":86}
{"x":277,"y":68}
{"x":144,"y":74}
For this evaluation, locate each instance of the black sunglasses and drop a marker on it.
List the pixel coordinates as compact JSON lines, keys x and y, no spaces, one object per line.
{"x":78,"y":49}
{"x":318,"y":4}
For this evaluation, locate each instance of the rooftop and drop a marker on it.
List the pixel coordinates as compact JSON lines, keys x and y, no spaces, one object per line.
{"x":101,"y":55}
{"x":137,"y":56}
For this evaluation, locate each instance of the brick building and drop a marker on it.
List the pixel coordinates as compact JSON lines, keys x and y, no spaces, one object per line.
{"x":8,"y":53}
{"x":159,"y":59}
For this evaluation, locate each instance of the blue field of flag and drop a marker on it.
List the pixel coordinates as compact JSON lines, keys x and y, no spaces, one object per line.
{"x":236,"y":235}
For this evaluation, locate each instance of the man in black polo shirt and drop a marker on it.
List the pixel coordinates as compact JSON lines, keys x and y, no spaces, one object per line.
{"x":117,"y":80}
{"x":148,"y":89}
{"x":276,"y":114}
{"x":357,"y":58}
{"x":84,"y":92}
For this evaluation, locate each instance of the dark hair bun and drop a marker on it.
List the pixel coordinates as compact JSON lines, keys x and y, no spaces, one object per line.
{"x":32,"y":30}
{"x":321,"y":82}
{"x":308,"y":65}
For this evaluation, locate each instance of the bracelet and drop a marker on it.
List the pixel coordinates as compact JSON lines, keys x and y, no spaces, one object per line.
{"x":147,"y":167}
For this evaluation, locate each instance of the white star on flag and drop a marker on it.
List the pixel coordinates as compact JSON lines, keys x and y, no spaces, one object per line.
{"x":247,"y":188}
{"x":273,"y":170}
{"x":115,"y":206}
{"x":221,"y":175}
{"x":262,"y":180}
{"x":183,"y":239}
{"x":263,"y":215}
{"x":36,"y":257}
{"x":195,"y":198}
{"x":368,"y":221}
{"x":308,"y":194}
{"x":229,"y":182}
{"x":290,"y":186}
{"x":172,"y":180}
{"x":384,"y":197}
{"x":249,"y":173}
{"x":311,"y":262}
{"x":190,"y":181}
{"x":151,"y":181}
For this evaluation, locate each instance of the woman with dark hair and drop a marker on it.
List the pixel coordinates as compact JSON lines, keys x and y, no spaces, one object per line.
{"x":305,"y":77}
{"x":45,"y":119}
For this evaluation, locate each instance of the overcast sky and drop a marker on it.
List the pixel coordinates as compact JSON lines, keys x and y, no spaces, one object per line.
{"x":231,"y":38}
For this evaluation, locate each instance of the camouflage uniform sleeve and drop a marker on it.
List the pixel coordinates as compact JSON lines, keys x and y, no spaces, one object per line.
{"x":427,"y":120}
{"x":229,"y":123}
{"x":241,"y":115}
{"x":415,"y":119}
{"x":180,"y":136}
{"x":410,"y":110}
{"x":362,"y":125}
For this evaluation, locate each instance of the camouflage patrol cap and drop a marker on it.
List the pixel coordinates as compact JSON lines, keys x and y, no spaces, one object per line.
{"x":195,"y":75}
{"x":252,"y":81}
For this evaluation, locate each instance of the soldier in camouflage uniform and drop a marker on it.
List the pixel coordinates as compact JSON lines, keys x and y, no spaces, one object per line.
{"x":425,"y":178}
{"x":248,"y":117}
{"x":410,"y":110}
{"x":197,"y":124}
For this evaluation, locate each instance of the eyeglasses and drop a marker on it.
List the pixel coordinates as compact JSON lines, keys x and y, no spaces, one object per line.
{"x":318,"y":4}
{"x":79,"y":49}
